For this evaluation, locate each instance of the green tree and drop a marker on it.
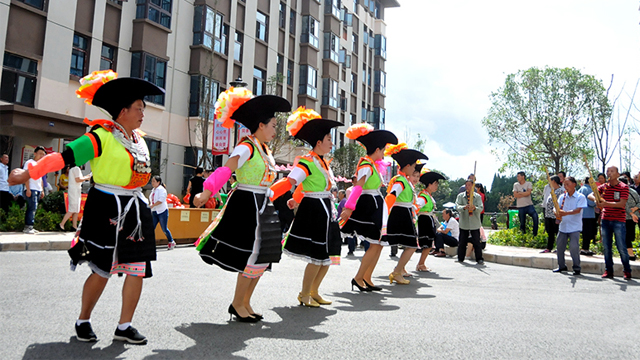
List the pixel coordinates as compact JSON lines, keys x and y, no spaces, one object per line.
{"x":345,"y":160}
{"x":544,"y":117}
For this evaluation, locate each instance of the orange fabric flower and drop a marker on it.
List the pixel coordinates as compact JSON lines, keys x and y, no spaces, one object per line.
{"x":92,"y":82}
{"x":394,"y":149}
{"x":228,"y":102}
{"x":301,"y":116}
{"x":357,"y":130}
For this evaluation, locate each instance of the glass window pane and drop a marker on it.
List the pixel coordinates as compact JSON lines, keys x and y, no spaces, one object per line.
{"x":209,"y":22}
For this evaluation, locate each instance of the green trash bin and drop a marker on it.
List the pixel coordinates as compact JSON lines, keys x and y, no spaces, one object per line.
{"x":513,"y":217}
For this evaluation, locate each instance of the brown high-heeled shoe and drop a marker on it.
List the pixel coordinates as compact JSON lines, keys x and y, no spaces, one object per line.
{"x":398,"y":279}
{"x":315,"y":296}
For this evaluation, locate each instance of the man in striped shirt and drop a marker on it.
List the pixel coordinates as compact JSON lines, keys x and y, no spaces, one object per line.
{"x":614,"y":195}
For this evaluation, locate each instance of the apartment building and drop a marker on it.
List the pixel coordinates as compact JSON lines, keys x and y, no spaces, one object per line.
{"x":323,"y":54}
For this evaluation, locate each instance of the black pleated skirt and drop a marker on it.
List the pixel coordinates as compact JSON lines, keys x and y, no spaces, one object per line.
{"x":366,"y":220}
{"x":315,"y":235}
{"x":241,"y":238}
{"x":426,"y":231}
{"x":97,"y":239}
{"x":400,"y":228}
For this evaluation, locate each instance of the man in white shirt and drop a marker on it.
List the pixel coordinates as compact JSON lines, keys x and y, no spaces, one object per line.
{"x":5,"y":195}
{"x":571,"y":225}
{"x":447,"y":233}
{"x":33,"y":191}
{"x":522,"y":192}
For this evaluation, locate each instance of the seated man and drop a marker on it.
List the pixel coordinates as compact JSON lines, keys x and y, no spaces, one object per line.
{"x":447,"y":233}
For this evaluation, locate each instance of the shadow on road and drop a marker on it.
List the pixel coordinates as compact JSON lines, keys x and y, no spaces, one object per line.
{"x":74,"y":349}
{"x":221,"y":341}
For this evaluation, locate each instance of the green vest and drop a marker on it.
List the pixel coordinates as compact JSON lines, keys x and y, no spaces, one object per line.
{"x":406,"y":196}
{"x":259,"y":170}
{"x":374,"y":181}
{"x":319,"y":179}
{"x":428,"y":207}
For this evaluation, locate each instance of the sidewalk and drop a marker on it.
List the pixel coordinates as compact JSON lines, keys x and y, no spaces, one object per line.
{"x":507,"y":255}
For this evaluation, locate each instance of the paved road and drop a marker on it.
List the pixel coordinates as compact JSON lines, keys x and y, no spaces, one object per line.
{"x":459,"y":311}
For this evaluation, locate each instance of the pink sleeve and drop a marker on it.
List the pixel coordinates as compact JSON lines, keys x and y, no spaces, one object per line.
{"x":353,"y":197}
{"x":216,"y":180}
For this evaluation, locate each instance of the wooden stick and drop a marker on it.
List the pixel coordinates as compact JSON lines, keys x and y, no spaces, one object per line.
{"x":184,"y":165}
{"x":592,"y":182}
{"x":473,"y":188}
{"x":554,"y":197}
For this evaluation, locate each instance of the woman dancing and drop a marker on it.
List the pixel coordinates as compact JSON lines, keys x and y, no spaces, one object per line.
{"x":116,"y":232}
{"x":427,"y":221}
{"x":364,"y":214}
{"x":314,"y":236}
{"x":245,"y":237}
{"x":401,"y":229}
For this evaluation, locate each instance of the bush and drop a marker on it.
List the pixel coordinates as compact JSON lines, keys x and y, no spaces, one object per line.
{"x":513,"y":237}
{"x":46,"y":220}
{"x":13,"y":220}
{"x":54,"y":202}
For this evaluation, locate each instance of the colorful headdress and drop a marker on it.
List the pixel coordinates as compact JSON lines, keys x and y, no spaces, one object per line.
{"x":228,"y":102}
{"x":299,"y":118}
{"x":92,"y":82}
{"x":394,"y":149}
{"x":358,"y":130}
{"x":428,"y":177}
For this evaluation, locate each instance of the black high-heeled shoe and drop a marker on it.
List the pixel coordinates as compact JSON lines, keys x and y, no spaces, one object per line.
{"x":369,"y":286}
{"x":355,"y":283}
{"x":259,"y":317}
{"x":248,"y":319}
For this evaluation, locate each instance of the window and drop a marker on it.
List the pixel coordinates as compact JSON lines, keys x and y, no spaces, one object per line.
{"x":108,"y":58}
{"x":282,"y":15}
{"x":209,"y":29}
{"x":152,"y":69}
{"x":259,"y":80}
{"x":344,"y":59}
{"x":354,"y":118}
{"x":79,"y":56}
{"x":378,"y":118}
{"x":354,"y":43}
{"x":332,"y":7}
{"x":290,"y":73}
{"x":377,"y":12}
{"x":365,"y":36}
{"x":310,"y":31}
{"x":262,"y":21}
{"x":380,"y":83}
{"x":155,"y":150}
{"x":38,"y":4}
{"x":354,"y":83}
{"x":364,"y":113}
{"x":280,"y":65}
{"x":158,"y":11}
{"x":364,"y":75}
{"x":331,"y":46}
{"x":308,"y":81}
{"x":330,"y":93}
{"x":237,"y":50}
{"x":202,"y":96}
{"x":19,"y":77}
{"x":381,"y":46}
{"x":369,"y":77}
{"x":292,"y":22}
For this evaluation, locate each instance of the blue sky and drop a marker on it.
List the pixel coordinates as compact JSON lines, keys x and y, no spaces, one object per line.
{"x":444,"y":58}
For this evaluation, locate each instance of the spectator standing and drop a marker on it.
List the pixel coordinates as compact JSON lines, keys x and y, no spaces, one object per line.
{"x":463,"y":188}
{"x":195,"y":186}
{"x":34,"y":190}
{"x":17,"y":193}
{"x":5,"y":194}
{"x":469,"y":210}
{"x":550,"y":223}
{"x":613,"y":200}
{"x":635,"y":183}
{"x":63,"y":181}
{"x":589,"y":222}
{"x":159,"y":209}
{"x":522,"y":192}
{"x":447,"y":233}
{"x":74,"y":196}
{"x":571,"y":205}
{"x":631,"y":219}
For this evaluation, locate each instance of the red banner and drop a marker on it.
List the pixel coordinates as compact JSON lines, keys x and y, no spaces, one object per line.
{"x":242,"y":132}
{"x":221,"y":139}
{"x":83,"y":199}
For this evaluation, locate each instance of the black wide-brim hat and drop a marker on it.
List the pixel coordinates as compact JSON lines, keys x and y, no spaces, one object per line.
{"x":119,"y":93}
{"x":408,"y":156}
{"x":419,"y":167}
{"x":259,"y":109}
{"x":315,"y":130}
{"x":430,"y":177}
{"x":377,"y":139}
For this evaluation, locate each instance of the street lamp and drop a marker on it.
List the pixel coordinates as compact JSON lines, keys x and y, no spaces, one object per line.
{"x":237,"y":83}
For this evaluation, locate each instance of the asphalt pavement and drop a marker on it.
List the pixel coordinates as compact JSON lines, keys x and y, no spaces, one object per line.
{"x":457,"y":311}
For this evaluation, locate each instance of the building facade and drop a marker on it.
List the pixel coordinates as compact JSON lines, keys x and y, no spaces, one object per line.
{"x":323,"y":54}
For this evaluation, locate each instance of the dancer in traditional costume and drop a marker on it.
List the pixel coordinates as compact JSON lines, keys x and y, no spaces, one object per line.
{"x":245,"y":237}
{"x":364,"y":214}
{"x":427,"y":220}
{"x":314,"y":236}
{"x":116,"y":233}
{"x":401,"y":229}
